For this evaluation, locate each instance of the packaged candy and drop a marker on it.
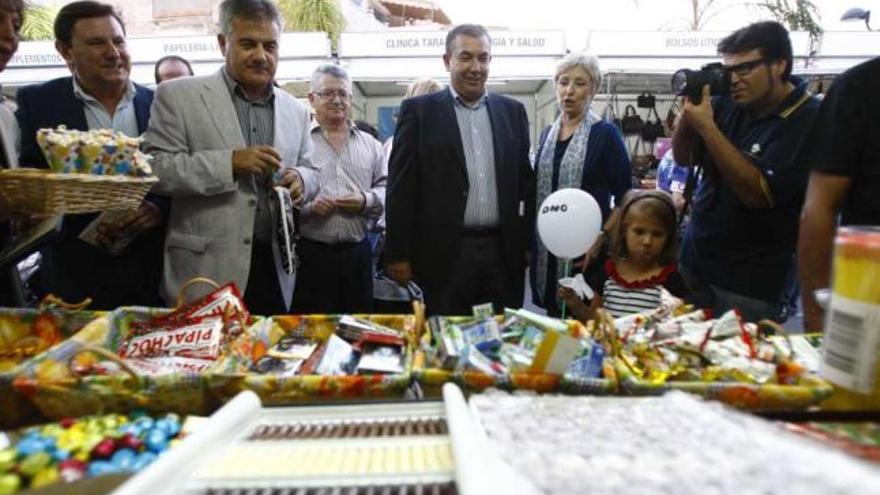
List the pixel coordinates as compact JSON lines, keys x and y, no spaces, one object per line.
{"x":381,"y":359}
{"x":165,"y":365}
{"x":516,"y":358}
{"x":590,"y":365}
{"x":200,"y":339}
{"x":225,"y":300}
{"x":336,"y":358}
{"x":98,"y":152}
{"x":484,"y":335}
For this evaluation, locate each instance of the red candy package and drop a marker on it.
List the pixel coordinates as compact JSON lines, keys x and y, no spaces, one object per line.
{"x":218,"y":302}
{"x":200,"y":339}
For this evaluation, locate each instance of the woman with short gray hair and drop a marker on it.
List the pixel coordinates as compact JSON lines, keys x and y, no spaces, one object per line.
{"x":579,"y":150}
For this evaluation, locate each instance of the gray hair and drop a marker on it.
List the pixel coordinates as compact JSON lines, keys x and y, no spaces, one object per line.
{"x":328,"y":70}
{"x":589,"y":63}
{"x":251,"y":10}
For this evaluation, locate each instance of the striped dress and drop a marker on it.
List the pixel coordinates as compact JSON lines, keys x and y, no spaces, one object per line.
{"x":621,"y":298}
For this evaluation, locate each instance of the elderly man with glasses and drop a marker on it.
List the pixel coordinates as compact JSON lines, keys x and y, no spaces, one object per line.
{"x":738,"y":250}
{"x":336,"y":274}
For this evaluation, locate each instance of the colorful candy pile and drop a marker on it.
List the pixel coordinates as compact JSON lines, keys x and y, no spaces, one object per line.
{"x":73,"y":449}
{"x":673,"y":343}
{"x":98,"y":152}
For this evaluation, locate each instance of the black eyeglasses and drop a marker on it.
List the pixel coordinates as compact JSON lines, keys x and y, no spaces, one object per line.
{"x":745,"y":68}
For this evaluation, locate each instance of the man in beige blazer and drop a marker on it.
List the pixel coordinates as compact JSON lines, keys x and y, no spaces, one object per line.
{"x":218,"y":143}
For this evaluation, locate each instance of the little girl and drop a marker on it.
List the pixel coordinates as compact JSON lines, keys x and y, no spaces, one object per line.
{"x":642,"y":259}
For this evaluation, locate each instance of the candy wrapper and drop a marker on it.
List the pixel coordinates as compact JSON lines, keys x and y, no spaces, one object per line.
{"x":165,"y":365}
{"x":484,"y":335}
{"x":98,"y":152}
{"x":336,"y":358}
{"x":225,"y":302}
{"x":200,"y":340}
{"x":690,"y":347}
{"x":381,"y":359}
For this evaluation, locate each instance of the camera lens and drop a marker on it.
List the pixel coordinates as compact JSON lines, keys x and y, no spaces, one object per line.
{"x":679,"y":81}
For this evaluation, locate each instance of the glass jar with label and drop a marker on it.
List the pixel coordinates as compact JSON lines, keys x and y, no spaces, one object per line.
{"x":851,"y":346}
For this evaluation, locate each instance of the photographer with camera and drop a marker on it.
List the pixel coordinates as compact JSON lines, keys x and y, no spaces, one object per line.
{"x":747,"y":191}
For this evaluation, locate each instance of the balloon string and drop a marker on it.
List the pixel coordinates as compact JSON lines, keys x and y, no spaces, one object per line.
{"x":566,"y":266}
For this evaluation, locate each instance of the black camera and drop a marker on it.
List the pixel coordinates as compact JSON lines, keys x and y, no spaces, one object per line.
{"x":687,"y":82}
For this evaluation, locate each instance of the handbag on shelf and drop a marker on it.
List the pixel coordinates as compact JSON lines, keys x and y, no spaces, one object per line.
{"x":646,"y":100}
{"x":653,"y":129}
{"x":609,"y":114}
{"x":632,"y":122}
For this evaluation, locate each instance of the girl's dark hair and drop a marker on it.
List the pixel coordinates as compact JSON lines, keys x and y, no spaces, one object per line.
{"x":657,"y":204}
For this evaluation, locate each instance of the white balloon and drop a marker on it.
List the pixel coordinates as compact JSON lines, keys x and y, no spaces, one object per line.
{"x":569,"y":221}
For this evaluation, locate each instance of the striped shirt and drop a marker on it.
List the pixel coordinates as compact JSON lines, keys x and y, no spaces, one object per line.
{"x":256,"y":119}
{"x":359,"y":168}
{"x":621,"y":301}
{"x":621,"y":297}
{"x":123,"y":120}
{"x":475,"y":129}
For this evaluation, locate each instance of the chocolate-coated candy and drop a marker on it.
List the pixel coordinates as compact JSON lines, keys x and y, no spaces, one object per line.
{"x":67,"y":422}
{"x":104,"y":449}
{"x":33,"y":463}
{"x":71,"y":439}
{"x":51,"y":430}
{"x":143,"y":460}
{"x":97,"y":468}
{"x":29,"y":445}
{"x":7,"y":459}
{"x":156,"y":440}
{"x":109,"y":422}
{"x":72,"y":470}
{"x":9,"y":483}
{"x":60,"y":454}
{"x":129,"y":428}
{"x":45,"y":476}
{"x":124,"y":459}
{"x":145,"y":423}
{"x":129,"y":441}
{"x":174,"y":421}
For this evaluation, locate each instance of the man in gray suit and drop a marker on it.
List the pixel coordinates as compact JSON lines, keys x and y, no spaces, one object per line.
{"x":219,"y":143}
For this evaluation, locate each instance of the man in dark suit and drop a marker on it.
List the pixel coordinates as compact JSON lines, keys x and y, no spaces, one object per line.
{"x":91,"y":38}
{"x":461,"y":189}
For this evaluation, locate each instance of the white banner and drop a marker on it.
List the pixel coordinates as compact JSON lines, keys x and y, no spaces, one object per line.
{"x":193,"y":48}
{"x":433,"y":43}
{"x":671,"y":43}
{"x":850,"y":44}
